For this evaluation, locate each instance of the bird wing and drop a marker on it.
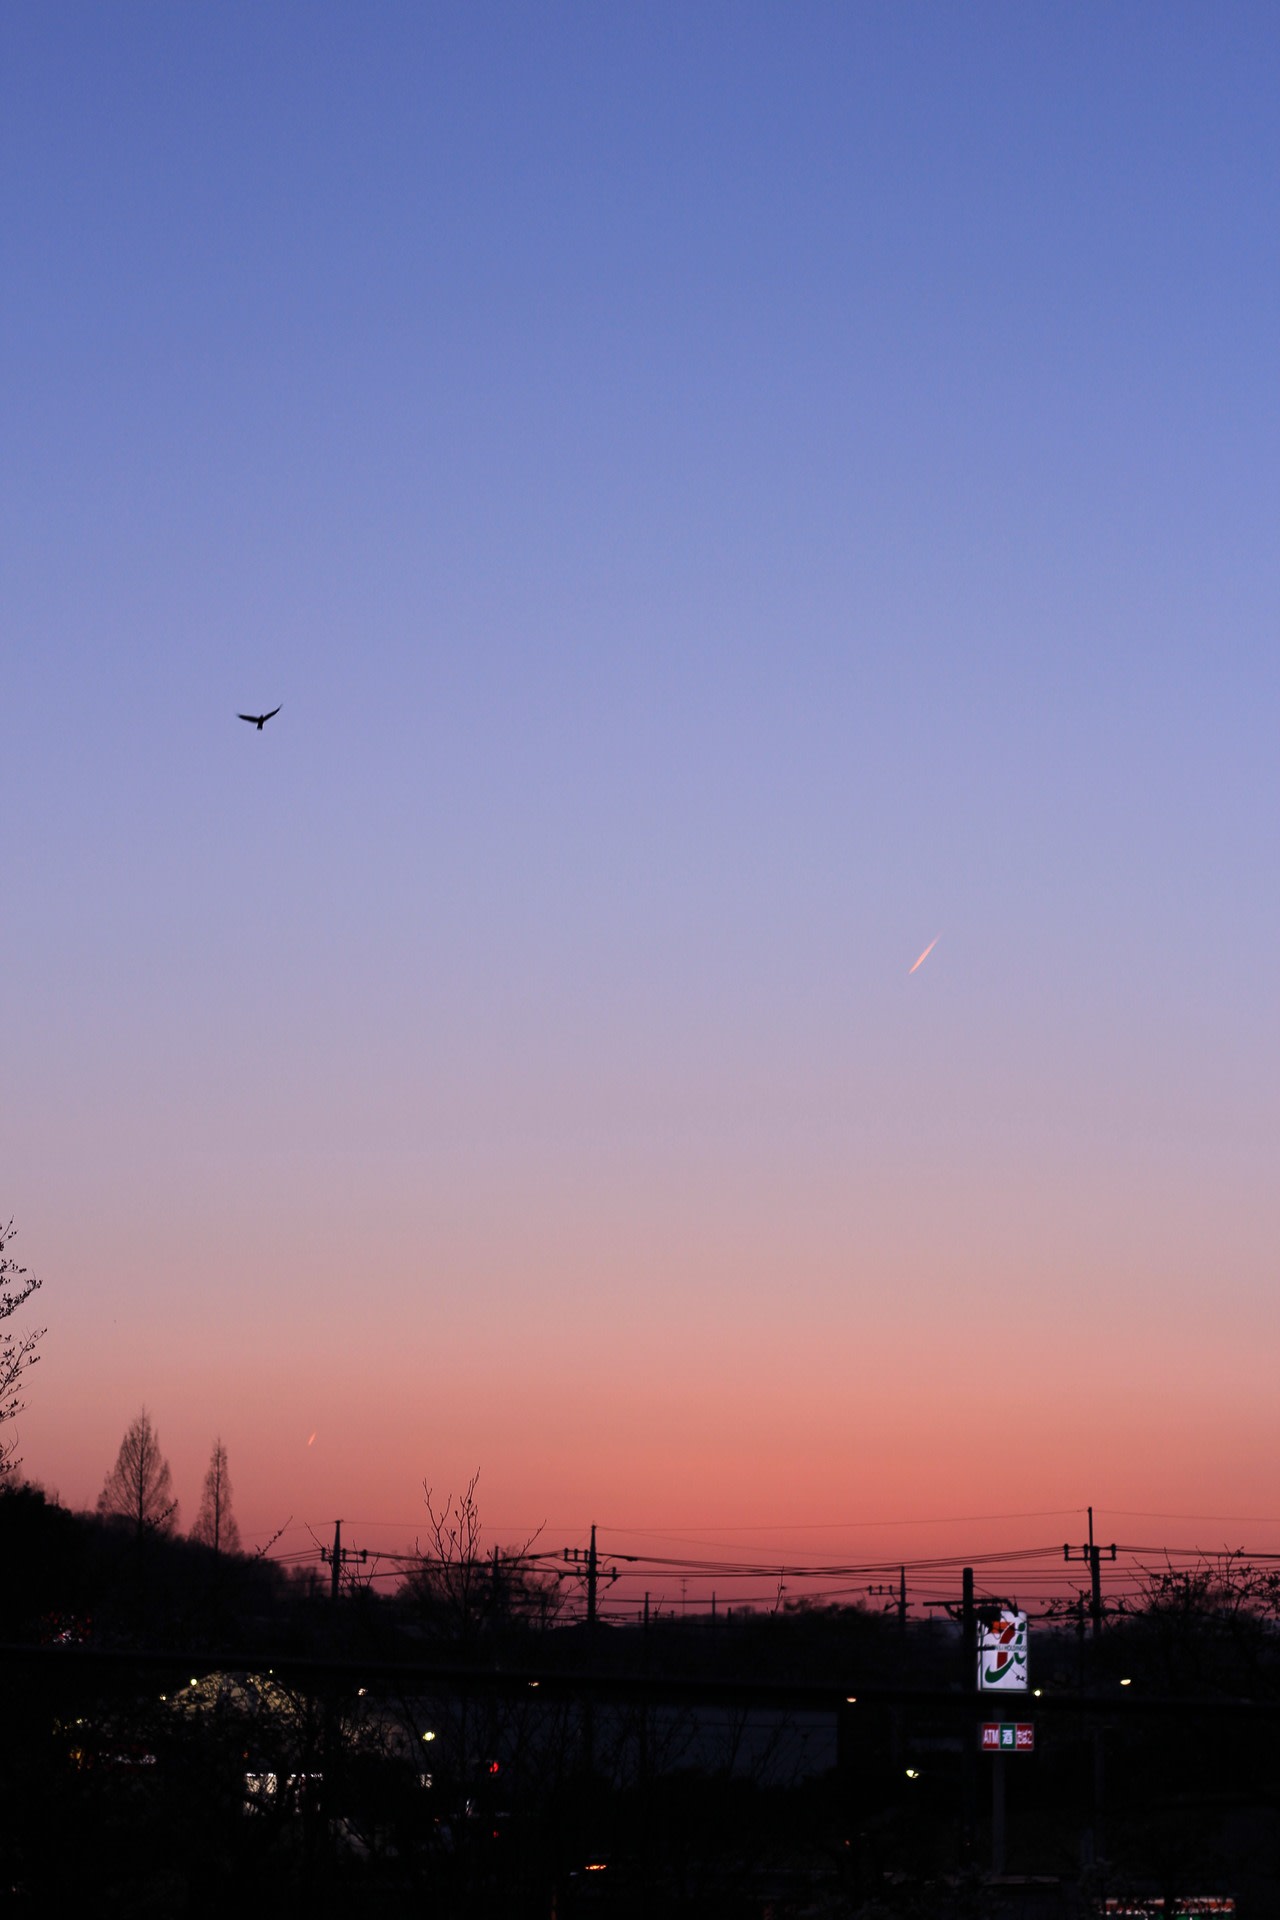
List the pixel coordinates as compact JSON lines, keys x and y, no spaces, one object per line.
{"x":252,"y":718}
{"x":274,"y":711}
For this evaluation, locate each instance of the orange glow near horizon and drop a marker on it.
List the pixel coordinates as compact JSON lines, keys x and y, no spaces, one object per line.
{"x":504,"y":1054}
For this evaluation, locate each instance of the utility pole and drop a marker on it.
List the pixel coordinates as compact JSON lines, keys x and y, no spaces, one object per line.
{"x":590,"y":1562}
{"x":971,"y":1687}
{"x":332,"y":1744}
{"x":1095,"y":1844}
{"x":592,"y":1575}
{"x":589,"y":1712}
{"x":971,"y":1710}
{"x":898,"y":1594}
{"x":337,"y":1556}
{"x":1093,"y":1554}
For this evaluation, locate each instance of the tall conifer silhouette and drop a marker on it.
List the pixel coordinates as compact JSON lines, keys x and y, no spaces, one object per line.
{"x":140,"y":1487}
{"x":215,"y":1522}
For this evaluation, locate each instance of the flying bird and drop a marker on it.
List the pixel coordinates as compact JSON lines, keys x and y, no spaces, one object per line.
{"x":259,"y":720}
{"x":925,"y":955}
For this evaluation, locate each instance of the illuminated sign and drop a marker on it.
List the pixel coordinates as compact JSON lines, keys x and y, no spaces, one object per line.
{"x":1189,"y":1907}
{"x":1002,"y":1652}
{"x":1008,"y":1736}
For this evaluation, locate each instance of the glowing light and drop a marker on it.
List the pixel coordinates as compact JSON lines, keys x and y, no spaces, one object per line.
{"x":311,"y":1442}
{"x":925,"y":955}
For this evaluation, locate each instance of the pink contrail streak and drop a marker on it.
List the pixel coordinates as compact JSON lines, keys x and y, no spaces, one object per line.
{"x":925,"y":955}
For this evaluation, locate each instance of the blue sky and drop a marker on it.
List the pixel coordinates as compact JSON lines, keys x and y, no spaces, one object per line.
{"x":723,"y":495}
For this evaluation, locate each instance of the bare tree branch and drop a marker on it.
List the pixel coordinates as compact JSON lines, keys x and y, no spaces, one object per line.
{"x":17,"y":1351}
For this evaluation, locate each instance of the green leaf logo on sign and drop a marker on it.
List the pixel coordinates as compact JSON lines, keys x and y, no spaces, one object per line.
{"x":1002,"y":1653}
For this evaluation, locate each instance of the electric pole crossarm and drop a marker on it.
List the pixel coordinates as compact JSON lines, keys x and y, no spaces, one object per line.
{"x":338,"y":1556}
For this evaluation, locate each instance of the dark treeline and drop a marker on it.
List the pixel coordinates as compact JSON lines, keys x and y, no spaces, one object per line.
{"x":187,"y":1727}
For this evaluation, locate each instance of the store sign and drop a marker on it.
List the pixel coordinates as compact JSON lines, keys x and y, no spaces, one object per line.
{"x":1002,"y":1652}
{"x":1008,"y":1736}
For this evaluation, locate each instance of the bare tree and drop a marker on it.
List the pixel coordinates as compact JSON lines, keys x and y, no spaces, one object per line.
{"x":215,"y":1522}
{"x":17,"y":1351}
{"x":451,"y":1583}
{"x":140,"y":1487}
{"x":462,"y":1590}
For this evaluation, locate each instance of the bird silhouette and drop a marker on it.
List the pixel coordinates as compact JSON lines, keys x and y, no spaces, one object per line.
{"x":259,"y":720}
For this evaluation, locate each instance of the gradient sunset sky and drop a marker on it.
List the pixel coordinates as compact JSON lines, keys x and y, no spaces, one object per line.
{"x":724,"y":496}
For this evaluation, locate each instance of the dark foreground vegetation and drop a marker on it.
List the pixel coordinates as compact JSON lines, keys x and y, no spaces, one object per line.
{"x":188,"y":1731}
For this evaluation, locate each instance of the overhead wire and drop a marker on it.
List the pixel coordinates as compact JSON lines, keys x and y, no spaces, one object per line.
{"x":1036,"y":1573}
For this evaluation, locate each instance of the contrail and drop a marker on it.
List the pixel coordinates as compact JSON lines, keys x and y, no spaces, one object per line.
{"x":925,"y":955}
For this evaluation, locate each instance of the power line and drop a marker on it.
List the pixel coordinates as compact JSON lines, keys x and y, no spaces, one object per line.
{"x":1233,"y":1519}
{"x":839,"y":1526}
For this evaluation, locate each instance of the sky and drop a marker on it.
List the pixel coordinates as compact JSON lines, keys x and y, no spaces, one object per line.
{"x":723,"y":496}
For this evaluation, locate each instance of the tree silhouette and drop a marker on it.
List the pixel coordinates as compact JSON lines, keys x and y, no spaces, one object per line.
{"x":215,"y":1523}
{"x":17,"y":1353}
{"x":462,"y":1592}
{"x":139,"y":1487}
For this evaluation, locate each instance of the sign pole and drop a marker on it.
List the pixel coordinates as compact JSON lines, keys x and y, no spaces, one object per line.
{"x":1002,"y":1669}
